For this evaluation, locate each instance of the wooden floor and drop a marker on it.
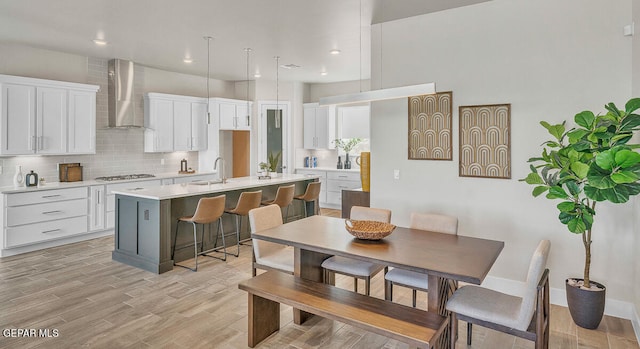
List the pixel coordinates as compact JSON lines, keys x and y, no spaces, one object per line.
{"x":95,"y":302}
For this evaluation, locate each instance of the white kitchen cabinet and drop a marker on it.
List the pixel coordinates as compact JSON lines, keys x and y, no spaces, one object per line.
{"x":353,"y":122}
{"x":97,"y":207}
{"x":46,"y":117}
{"x":338,"y":181}
{"x":174,"y":123}
{"x":232,"y":114}
{"x":82,"y":122}
{"x":35,"y":217}
{"x":319,"y":126}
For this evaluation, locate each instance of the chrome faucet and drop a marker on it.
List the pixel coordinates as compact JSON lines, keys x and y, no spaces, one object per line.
{"x":221,"y":173}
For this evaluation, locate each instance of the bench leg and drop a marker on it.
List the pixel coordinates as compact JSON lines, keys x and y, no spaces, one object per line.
{"x":264,"y":319}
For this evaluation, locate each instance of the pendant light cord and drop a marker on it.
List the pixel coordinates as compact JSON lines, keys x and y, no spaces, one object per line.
{"x":208,"y":38}
{"x":360,"y":46}
{"x":248,"y":50}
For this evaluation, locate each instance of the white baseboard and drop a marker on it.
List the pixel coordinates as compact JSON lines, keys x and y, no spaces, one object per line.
{"x":613,"y":307}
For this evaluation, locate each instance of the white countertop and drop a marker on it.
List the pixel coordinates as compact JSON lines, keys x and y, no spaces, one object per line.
{"x":189,"y":189}
{"x":328,"y":169}
{"x":65,"y":185}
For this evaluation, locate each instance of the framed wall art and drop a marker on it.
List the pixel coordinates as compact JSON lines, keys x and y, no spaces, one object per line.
{"x":485,"y":141}
{"x":430,"y":126}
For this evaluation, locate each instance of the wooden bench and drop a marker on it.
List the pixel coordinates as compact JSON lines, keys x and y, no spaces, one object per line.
{"x":266,"y":291}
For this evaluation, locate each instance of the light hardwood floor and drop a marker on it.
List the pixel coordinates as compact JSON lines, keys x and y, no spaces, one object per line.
{"x":95,"y":302}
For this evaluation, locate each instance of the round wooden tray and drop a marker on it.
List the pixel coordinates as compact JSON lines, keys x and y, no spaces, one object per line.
{"x":368,"y":230}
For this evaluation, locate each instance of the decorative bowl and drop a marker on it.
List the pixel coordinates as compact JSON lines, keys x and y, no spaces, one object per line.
{"x":368,"y":230}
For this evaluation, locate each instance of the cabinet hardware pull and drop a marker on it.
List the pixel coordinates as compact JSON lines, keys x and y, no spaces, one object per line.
{"x":248,"y":122}
{"x":41,"y":143}
{"x":98,"y":192}
{"x":52,"y":212}
{"x":50,"y":231}
{"x":50,"y":196}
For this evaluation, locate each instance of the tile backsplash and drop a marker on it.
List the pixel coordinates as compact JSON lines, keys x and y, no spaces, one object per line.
{"x":118,"y":151}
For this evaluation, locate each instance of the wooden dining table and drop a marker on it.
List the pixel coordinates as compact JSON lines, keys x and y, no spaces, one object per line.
{"x":445,"y":258}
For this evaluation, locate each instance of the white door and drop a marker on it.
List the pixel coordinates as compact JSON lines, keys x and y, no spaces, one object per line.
{"x":82,"y":122}
{"x":309,"y":126}
{"x":18,"y":119}
{"x":162,"y":124}
{"x":243,"y":117}
{"x":97,"y":207}
{"x":322,"y":127}
{"x":51,"y":120}
{"x":274,"y":134}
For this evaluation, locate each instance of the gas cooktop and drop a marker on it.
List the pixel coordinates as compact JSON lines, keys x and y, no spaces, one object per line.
{"x":124,"y":177}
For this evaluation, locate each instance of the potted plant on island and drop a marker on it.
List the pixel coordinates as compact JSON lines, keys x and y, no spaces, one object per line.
{"x":271,"y":165}
{"x":589,"y":163}
{"x":347,"y":145}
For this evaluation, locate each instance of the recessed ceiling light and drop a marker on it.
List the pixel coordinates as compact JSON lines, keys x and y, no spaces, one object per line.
{"x":257,"y":75}
{"x":100,"y":42}
{"x":335,"y":52}
{"x":323,"y":73}
{"x":188,"y":60}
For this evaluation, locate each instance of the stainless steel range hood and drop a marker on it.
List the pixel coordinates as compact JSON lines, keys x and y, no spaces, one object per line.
{"x":122,"y":108}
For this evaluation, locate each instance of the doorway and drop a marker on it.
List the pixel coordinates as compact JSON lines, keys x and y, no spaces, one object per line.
{"x":274,"y":136}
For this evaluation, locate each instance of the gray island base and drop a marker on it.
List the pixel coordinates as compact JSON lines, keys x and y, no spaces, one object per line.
{"x":145,"y":220}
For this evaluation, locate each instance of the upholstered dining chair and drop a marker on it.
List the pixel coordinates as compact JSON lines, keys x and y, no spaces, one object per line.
{"x":268,"y":255}
{"x":418,"y":281}
{"x":312,"y":193}
{"x":356,"y":268}
{"x":526,"y":317}
{"x":284,"y":198}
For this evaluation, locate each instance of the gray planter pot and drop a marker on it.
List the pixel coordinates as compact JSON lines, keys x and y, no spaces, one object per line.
{"x":586,"y":307}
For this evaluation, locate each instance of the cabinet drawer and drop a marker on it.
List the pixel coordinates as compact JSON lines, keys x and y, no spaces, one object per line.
{"x":321,"y":174}
{"x":338,"y":186}
{"x":42,"y":196}
{"x":348,"y":176}
{"x":46,"y":212}
{"x":132,"y":185}
{"x":39,"y":232}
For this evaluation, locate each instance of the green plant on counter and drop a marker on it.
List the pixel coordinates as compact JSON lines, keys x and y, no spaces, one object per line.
{"x":586,"y":164}
{"x":347,"y":144}
{"x":273,"y":159}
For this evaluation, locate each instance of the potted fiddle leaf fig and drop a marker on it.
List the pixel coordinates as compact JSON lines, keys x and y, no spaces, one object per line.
{"x":589,"y":163}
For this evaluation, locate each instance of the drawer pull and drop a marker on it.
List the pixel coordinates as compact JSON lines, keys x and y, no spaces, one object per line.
{"x":343,"y":187}
{"x":51,"y":196}
{"x":52,"y":212}
{"x":51,"y":231}
{"x":135,"y":188}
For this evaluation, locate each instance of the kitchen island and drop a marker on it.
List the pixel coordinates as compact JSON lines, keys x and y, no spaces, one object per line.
{"x":146,"y":219}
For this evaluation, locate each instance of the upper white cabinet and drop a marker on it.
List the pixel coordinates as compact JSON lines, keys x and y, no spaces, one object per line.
{"x":174,"y":123}
{"x":232,"y":114}
{"x":319,"y":126}
{"x":353,"y":122}
{"x":46,"y":117}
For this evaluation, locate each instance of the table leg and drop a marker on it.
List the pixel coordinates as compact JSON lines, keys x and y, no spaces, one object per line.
{"x":307,"y":265}
{"x":440,"y":289}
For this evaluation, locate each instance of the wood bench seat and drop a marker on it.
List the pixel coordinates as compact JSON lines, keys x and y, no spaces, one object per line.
{"x":266,"y":291}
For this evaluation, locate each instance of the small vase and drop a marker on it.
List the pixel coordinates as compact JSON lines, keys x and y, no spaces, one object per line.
{"x":18,"y":178}
{"x":347,"y":162}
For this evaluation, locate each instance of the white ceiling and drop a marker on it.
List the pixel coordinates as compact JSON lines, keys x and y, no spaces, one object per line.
{"x":160,"y":33}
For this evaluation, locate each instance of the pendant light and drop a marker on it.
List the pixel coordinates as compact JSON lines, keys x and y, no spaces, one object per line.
{"x":377,"y":95}
{"x":248,"y":50}
{"x":277,"y":116}
{"x":208,"y":38}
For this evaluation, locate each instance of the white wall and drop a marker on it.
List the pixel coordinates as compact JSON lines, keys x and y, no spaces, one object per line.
{"x":550,"y":60}
{"x":317,"y":91}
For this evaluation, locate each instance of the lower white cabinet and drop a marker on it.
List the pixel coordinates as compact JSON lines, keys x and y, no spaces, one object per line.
{"x":97,"y":207}
{"x":338,"y":181}
{"x":35,"y":217}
